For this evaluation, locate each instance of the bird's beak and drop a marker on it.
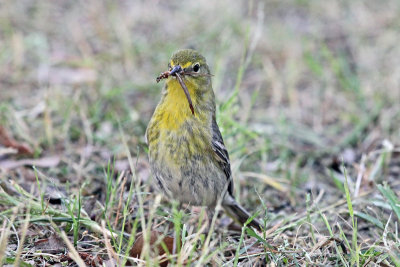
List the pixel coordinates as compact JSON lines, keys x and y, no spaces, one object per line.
{"x":175,"y":69}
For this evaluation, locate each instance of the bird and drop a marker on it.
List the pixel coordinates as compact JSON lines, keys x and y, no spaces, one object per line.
{"x":187,"y":154}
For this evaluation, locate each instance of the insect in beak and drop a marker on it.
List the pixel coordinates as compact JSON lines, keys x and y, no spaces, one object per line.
{"x":177,"y":72}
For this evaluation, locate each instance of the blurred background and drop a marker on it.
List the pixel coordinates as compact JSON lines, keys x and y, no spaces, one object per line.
{"x":301,"y":87}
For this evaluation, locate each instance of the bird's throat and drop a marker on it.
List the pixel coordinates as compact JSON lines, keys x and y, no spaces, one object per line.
{"x":174,"y":106}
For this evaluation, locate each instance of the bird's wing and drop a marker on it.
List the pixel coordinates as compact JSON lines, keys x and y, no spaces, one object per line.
{"x":221,"y":154}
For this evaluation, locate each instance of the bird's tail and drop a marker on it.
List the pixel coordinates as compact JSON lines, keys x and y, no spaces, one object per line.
{"x":238,"y":213}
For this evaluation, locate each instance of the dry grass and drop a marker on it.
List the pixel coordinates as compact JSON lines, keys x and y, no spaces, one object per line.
{"x":308,"y":95}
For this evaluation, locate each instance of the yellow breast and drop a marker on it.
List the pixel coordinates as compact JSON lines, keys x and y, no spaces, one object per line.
{"x":174,"y":109}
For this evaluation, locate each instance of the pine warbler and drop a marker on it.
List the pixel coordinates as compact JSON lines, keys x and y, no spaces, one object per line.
{"x":187,"y":154}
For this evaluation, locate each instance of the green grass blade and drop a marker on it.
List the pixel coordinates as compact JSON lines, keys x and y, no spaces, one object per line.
{"x":393,"y":200}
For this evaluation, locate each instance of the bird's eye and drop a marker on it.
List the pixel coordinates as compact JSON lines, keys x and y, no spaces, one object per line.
{"x":196,"y":67}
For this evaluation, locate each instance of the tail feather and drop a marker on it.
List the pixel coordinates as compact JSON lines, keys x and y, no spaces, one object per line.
{"x":238,"y":213}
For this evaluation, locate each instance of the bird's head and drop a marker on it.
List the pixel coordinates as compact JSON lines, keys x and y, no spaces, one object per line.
{"x":188,"y":71}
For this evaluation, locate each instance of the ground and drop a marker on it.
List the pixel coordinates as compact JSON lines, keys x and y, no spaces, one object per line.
{"x":308,"y":97}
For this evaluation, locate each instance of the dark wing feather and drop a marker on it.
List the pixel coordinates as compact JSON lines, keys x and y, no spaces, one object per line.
{"x":222,"y":154}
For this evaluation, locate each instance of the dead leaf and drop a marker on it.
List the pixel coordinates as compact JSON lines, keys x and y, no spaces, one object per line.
{"x":53,"y":244}
{"x":46,"y":162}
{"x":91,"y":260}
{"x":7,"y":141}
{"x":136,"y":250}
